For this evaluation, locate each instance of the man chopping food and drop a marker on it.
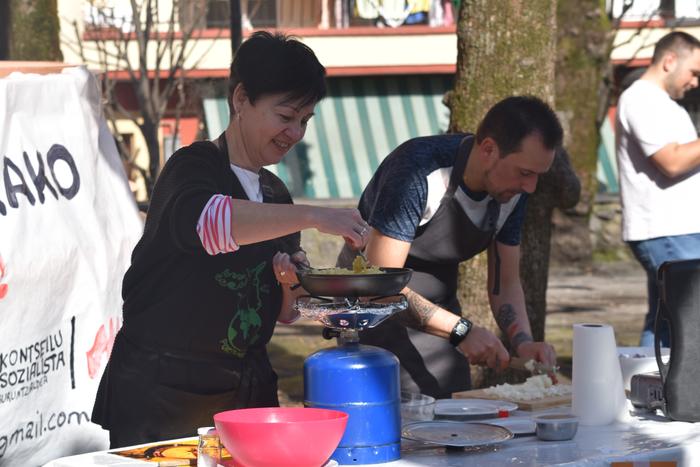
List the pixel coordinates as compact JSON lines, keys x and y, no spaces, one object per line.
{"x":437,"y":201}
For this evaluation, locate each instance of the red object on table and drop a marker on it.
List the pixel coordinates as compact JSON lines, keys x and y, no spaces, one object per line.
{"x":280,"y":436}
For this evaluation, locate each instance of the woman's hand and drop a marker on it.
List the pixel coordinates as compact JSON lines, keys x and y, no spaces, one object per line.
{"x":285,"y":266}
{"x":285,"y":270}
{"x":347,"y":223}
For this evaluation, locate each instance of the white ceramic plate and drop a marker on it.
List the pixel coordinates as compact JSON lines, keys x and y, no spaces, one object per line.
{"x":448,"y":433}
{"x":464,"y":409}
{"x":640,"y":352}
{"x":517,"y":425}
{"x":636,"y":360}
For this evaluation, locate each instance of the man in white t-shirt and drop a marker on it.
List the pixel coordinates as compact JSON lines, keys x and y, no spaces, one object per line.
{"x":658,"y":155}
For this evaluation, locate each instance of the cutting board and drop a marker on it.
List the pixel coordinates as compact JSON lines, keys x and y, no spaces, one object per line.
{"x":531,"y":405}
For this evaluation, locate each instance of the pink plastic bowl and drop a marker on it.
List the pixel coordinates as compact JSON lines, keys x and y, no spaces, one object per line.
{"x":281,"y":436}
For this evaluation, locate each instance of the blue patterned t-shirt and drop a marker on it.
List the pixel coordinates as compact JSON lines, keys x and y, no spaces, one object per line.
{"x":406,"y":190}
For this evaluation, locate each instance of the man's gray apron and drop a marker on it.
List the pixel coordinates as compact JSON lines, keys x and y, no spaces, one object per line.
{"x":430,"y":364}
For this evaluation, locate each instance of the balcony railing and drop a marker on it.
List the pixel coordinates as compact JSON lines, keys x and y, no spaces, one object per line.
{"x":211,"y":18}
{"x":324,"y":14}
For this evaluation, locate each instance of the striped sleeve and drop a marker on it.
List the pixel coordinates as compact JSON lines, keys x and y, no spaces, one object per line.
{"x":214,"y":226}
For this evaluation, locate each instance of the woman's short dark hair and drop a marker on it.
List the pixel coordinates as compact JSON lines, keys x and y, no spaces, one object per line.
{"x":517,"y":117}
{"x":269,"y":63}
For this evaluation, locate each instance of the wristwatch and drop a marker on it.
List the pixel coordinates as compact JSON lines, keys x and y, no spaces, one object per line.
{"x":460,"y":331}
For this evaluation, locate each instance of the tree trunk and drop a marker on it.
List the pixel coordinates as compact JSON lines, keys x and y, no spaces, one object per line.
{"x":583,"y":47}
{"x":557,"y":188}
{"x":149,"y":130}
{"x":505,"y":47}
{"x":34,"y":30}
{"x":4,"y":30}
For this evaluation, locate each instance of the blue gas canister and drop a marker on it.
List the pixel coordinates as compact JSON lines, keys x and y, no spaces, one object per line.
{"x":362,"y":381}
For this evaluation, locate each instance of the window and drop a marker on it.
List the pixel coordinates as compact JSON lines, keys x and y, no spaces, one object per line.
{"x":218,"y":14}
{"x":254,"y":13}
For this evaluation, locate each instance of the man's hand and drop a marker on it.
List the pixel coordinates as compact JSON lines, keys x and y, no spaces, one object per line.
{"x":482,"y":347}
{"x":538,"y":351}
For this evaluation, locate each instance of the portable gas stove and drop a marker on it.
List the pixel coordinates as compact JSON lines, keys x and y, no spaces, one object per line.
{"x":361,"y":380}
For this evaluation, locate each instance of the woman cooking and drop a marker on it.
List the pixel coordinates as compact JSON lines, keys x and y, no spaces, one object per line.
{"x":211,"y":274}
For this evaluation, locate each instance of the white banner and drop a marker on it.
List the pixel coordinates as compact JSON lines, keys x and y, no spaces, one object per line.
{"x":68,"y":224}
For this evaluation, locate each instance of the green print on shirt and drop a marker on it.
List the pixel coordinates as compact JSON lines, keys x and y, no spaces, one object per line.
{"x":247,"y":318}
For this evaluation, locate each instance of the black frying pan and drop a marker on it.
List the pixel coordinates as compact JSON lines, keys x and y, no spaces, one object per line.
{"x":391,"y":282}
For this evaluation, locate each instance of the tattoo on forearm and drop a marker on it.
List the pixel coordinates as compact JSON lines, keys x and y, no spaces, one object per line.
{"x":507,"y":320}
{"x":520,"y":338}
{"x":505,"y":317}
{"x":420,"y":310}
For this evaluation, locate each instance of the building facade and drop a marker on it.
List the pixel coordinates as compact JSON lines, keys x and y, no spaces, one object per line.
{"x":389,"y":65}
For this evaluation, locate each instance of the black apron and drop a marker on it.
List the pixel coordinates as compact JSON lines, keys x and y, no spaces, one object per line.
{"x":152,"y":391}
{"x":430,"y":364}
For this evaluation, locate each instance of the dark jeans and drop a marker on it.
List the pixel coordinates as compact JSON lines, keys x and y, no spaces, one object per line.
{"x":651,"y":254}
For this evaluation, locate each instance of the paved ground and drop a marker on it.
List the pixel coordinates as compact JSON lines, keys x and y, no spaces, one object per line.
{"x":612,"y":293}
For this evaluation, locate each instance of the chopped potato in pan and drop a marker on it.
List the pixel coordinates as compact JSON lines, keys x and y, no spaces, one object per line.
{"x":359,"y":266}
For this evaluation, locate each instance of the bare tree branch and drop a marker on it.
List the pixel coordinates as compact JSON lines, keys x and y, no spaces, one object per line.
{"x":151,"y":50}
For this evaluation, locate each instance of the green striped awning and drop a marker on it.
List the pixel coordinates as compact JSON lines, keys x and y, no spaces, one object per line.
{"x":360,"y":122}
{"x":607,"y":163}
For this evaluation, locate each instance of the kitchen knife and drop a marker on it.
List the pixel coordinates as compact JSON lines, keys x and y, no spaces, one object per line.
{"x":534,"y":367}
